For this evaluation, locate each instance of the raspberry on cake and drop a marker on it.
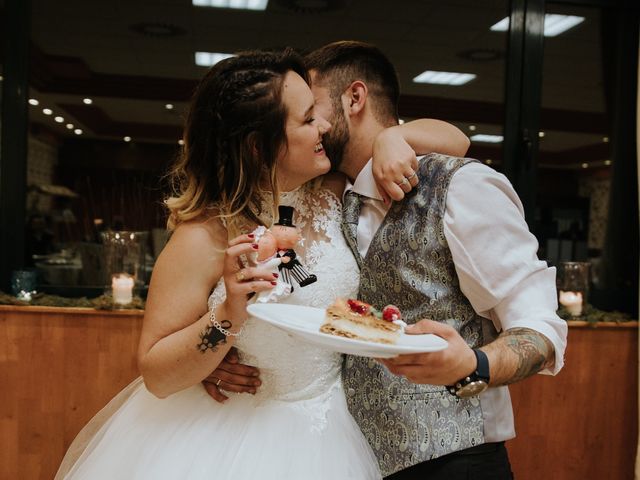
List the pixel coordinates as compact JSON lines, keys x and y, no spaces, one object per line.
{"x":358,"y":320}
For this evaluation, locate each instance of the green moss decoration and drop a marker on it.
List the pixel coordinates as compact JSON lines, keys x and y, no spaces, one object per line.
{"x":103,"y":302}
{"x":592,"y":315}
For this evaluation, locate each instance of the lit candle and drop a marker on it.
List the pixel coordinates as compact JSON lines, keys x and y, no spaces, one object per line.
{"x":572,"y":301}
{"x":122,"y":285}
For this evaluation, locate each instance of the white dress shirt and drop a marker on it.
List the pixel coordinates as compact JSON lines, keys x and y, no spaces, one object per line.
{"x":495,"y":257}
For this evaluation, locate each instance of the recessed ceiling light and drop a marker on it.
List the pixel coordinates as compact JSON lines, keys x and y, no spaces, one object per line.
{"x":78,"y":131}
{"x":607,"y":162}
{"x":444,"y":78}
{"x":33,"y":101}
{"x":47,"y":111}
{"x":127,"y":139}
{"x":488,"y":161}
{"x":541,"y":134}
{"x":239,"y":4}
{"x":501,"y":26}
{"x":605,"y":139}
{"x":1,"y":78}
{"x":207,"y":59}
{"x":554,"y":24}
{"x":69,"y":126}
{"x":181,"y":142}
{"x":481,"y":137}
{"x":400,"y":121}
{"x":59,"y":119}
{"x":87,"y":101}
{"x":585,"y":165}
{"x":472,"y":128}
{"x":169,"y":106}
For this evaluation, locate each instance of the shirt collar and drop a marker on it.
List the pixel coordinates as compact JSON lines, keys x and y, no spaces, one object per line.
{"x":364,"y":183}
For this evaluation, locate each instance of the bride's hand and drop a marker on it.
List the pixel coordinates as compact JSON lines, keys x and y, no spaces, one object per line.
{"x":242,"y":281}
{"x":394,"y":164}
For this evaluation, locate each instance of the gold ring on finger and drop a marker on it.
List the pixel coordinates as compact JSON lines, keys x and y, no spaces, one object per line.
{"x":403,"y":182}
{"x":218,"y":382}
{"x":410,"y":176}
{"x":240,"y":275}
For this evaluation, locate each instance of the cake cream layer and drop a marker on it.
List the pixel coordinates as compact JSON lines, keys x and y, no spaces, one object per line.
{"x":351,"y":329}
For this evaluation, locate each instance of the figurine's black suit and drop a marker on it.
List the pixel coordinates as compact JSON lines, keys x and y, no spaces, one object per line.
{"x":293,"y":268}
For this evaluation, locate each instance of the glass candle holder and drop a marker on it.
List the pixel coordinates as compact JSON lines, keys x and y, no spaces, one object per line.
{"x":573,"y":286}
{"x":124,"y":256}
{"x":23,"y":283}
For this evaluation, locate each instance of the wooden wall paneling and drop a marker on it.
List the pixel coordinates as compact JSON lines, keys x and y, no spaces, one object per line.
{"x":59,"y":369}
{"x":583,"y":423}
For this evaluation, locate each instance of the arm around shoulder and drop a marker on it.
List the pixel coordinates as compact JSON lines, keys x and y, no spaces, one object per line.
{"x":395,"y":149}
{"x":429,"y":135}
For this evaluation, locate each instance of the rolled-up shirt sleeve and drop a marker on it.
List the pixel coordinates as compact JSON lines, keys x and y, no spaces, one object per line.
{"x":495,"y":256}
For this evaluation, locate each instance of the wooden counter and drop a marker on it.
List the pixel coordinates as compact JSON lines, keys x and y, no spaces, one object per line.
{"x":583,"y":423}
{"x":59,"y":366}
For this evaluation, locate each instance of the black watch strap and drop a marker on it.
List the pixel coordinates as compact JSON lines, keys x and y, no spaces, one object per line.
{"x":477,"y":381}
{"x":482,"y":369}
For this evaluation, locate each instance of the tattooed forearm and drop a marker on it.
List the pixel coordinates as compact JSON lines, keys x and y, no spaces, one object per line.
{"x":521,"y":352}
{"x":211,"y":337}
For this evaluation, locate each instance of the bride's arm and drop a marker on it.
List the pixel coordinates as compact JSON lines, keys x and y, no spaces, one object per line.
{"x":428,"y":135}
{"x":395,"y":148}
{"x":172,"y":353}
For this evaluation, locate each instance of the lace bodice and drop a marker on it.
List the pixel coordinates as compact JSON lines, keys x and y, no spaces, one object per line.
{"x":291,"y":369}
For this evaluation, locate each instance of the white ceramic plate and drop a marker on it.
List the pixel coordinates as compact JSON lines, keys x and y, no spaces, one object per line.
{"x":305,"y":323}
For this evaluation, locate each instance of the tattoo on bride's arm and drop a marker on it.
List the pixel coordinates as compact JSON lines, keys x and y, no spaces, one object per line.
{"x":211,"y":337}
{"x":531,"y":351}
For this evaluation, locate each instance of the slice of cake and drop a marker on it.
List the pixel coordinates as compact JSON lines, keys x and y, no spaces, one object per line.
{"x":355,"y":319}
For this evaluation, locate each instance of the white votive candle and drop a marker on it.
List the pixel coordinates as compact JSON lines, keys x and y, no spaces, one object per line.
{"x":122,"y":285}
{"x":572,"y":301}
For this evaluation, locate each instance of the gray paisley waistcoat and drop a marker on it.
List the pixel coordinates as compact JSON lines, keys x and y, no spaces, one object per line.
{"x":409,"y":264}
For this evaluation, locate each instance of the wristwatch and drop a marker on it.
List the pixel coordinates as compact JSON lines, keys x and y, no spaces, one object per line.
{"x":475,"y":383}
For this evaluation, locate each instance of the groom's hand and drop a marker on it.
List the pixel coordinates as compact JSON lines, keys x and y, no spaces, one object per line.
{"x":435,"y":368}
{"x":231,"y":376}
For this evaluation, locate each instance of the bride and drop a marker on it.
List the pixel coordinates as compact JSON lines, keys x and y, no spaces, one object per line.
{"x":252,"y":142}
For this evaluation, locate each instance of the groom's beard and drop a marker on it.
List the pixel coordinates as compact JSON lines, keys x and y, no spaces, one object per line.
{"x":335,"y":141}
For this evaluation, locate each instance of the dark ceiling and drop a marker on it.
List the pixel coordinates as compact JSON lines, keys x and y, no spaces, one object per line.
{"x":134,"y":57}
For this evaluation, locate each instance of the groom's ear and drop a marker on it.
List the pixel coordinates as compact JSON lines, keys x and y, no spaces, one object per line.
{"x":356,"y":97}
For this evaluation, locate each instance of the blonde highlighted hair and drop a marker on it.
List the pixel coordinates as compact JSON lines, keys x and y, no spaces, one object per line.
{"x":233,"y":134}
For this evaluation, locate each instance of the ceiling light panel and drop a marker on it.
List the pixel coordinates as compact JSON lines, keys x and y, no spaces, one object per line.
{"x":444,"y":78}
{"x":484,"y":138}
{"x":236,"y":4}
{"x":554,"y":24}
{"x":207,"y":59}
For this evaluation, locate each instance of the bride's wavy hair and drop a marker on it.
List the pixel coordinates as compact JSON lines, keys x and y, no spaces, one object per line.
{"x":233,"y":134}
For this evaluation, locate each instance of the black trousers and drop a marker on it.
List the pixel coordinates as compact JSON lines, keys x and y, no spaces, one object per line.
{"x":488,"y":461}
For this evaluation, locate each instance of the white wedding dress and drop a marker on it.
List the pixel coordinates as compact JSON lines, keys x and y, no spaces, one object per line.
{"x":296,"y":426}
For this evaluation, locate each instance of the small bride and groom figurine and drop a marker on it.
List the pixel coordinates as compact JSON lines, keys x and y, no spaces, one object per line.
{"x":276,"y":251}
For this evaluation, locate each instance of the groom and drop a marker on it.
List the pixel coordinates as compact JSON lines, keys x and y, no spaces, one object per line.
{"x":455,"y":250}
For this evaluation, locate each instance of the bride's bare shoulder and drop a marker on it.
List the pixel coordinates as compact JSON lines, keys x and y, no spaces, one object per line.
{"x":201,"y":233}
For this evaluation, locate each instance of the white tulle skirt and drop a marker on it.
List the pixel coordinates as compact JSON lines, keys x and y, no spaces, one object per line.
{"x":190,"y":436}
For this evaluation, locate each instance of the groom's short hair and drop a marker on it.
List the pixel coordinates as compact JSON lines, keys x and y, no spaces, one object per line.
{"x":339,"y":64}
